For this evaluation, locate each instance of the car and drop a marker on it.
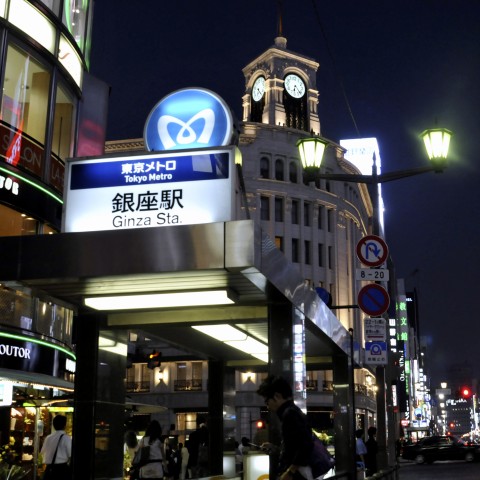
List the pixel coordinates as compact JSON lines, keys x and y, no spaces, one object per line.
{"x":435,"y":448}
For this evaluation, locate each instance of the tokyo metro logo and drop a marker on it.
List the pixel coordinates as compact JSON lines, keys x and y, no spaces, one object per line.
{"x":188,"y":119}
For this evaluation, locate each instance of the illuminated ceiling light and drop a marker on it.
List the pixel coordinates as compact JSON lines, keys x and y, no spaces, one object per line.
{"x":222,"y":333}
{"x":160,"y":300}
{"x":235,"y":338}
{"x":112,"y":346}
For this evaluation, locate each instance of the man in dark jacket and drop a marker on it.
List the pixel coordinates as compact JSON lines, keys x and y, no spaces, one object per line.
{"x":297,"y":442}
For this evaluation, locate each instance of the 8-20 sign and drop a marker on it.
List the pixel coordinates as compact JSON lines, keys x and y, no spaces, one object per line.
{"x":372,"y":274}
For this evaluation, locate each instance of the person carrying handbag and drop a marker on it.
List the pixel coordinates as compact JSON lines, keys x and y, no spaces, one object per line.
{"x":150,"y":467}
{"x":56,"y":451}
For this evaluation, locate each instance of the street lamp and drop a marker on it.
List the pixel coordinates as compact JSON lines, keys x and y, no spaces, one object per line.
{"x":311,"y":151}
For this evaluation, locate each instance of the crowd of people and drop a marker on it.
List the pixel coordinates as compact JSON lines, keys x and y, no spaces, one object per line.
{"x":293,"y":449}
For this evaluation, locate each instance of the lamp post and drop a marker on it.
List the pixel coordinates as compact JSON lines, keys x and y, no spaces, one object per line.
{"x":311,"y":151}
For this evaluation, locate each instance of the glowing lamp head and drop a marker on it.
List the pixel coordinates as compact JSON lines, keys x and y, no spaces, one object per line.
{"x":437,"y":143}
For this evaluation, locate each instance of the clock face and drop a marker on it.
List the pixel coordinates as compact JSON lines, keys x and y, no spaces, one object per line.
{"x":294,"y":86}
{"x":258,"y":89}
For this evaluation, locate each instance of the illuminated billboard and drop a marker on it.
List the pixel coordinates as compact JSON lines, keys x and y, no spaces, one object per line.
{"x":360,"y":152}
{"x":150,"y":190}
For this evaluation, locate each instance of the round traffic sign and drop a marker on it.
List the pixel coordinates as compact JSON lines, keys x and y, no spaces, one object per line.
{"x":373,"y":299}
{"x":372,"y":250}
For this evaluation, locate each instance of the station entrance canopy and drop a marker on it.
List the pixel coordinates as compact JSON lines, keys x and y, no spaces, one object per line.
{"x":235,"y":256}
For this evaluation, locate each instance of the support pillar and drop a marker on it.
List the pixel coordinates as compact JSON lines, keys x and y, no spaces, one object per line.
{"x":216,"y":375}
{"x":99,"y":401}
{"x":344,"y":411}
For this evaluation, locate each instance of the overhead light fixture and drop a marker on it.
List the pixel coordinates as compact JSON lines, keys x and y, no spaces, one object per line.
{"x":160,"y":300}
{"x":236,"y":338}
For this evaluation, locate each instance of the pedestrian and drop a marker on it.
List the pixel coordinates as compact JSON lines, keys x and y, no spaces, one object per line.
{"x":360,"y":449}
{"x":297,"y":440}
{"x":372,"y":450}
{"x":198,"y":449}
{"x":183,"y":460}
{"x":57,"y":450}
{"x":153,"y":469}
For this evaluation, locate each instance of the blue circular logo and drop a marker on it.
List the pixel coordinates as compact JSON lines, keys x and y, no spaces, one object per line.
{"x":187,"y":119}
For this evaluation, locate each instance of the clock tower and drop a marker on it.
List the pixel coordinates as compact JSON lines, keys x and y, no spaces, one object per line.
{"x":281,"y":89}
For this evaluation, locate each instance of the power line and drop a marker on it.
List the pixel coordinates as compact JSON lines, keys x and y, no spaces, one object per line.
{"x":335,"y":70}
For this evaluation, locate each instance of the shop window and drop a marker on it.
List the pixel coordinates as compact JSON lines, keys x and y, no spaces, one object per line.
{"x":63,"y":135}
{"x":16,"y":309}
{"x":75,"y":15}
{"x":53,"y":5}
{"x":24,"y":111}
{"x":15,"y":223}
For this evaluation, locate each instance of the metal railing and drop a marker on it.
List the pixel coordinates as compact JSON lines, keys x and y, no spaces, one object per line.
{"x":194,"y":385}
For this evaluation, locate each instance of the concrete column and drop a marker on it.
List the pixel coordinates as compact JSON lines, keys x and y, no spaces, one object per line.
{"x":280,"y":344}
{"x":216,"y":375}
{"x":99,"y":400}
{"x":344,"y":411}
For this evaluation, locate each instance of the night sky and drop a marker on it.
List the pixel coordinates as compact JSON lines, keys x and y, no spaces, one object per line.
{"x":402,"y":65}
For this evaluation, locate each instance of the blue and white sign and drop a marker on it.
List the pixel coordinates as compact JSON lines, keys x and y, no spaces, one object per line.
{"x":150,"y":190}
{"x":188,"y":119}
{"x":376,"y":353}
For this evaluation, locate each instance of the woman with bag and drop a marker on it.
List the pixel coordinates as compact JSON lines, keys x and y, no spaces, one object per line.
{"x":56,"y":451}
{"x":149,"y":457}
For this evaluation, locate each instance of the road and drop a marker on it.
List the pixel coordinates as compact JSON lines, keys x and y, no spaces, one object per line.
{"x":440,"y":471}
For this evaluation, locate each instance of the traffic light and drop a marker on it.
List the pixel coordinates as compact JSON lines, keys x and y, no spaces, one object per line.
{"x":465,"y":392}
{"x":154,"y":360}
{"x":260,"y":424}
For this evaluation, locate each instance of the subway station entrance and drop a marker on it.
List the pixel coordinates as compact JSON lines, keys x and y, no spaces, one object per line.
{"x":268,"y":297}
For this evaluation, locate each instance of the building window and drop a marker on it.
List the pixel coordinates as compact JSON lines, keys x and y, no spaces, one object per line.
{"x":24,"y":110}
{"x":329,"y":219}
{"x":279,"y":243}
{"x":279,"y":174}
{"x":264,"y":168}
{"x":278,"y":209}
{"x":293,"y":172}
{"x":264,"y":208}
{"x":295,"y":208}
{"x":295,"y":255}
{"x":321,"y":210}
{"x":307,"y":252}
{"x":330,"y":257}
{"x":321,"y":262}
{"x":188,"y":376}
{"x":306,"y":214}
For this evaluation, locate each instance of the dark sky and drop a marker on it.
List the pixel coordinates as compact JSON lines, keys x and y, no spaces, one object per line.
{"x":403,"y":65}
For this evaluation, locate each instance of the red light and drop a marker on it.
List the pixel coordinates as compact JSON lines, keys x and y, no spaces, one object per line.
{"x":466,"y":392}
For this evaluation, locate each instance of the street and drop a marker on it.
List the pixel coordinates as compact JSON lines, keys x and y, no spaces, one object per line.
{"x":440,"y":471}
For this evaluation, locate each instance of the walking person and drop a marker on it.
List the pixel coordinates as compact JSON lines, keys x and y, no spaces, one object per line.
{"x":297,"y":440}
{"x":372,"y":450}
{"x":153,"y":469}
{"x":360,"y":449}
{"x":56,"y":451}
